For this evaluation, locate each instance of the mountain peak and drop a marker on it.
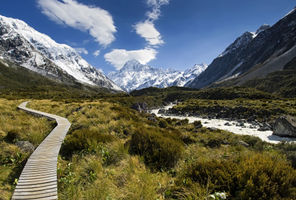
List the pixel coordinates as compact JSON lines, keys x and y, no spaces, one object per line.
{"x":134,"y":65}
{"x":241,"y":41}
{"x":262,"y":28}
{"x":132,"y":62}
{"x":137,"y":76}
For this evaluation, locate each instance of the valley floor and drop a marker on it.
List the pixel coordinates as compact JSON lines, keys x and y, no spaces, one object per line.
{"x":115,"y":152}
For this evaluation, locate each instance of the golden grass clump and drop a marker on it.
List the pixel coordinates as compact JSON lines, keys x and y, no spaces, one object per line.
{"x":16,"y":125}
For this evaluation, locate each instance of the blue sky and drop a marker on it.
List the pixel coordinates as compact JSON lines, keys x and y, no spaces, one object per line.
{"x":163,"y":33}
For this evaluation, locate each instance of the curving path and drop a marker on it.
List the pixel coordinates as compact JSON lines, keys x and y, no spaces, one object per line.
{"x":38,"y":179}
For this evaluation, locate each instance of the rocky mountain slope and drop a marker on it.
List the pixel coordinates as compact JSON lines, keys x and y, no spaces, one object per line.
{"x":253,"y":55}
{"x":134,"y":76}
{"x":23,"y":45}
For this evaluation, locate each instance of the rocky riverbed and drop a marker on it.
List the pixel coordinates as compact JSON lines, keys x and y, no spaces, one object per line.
{"x":242,"y":127}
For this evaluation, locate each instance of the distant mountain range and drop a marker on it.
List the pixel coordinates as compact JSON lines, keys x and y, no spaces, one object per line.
{"x":23,"y":45}
{"x":251,"y":60}
{"x":252,"y":55}
{"x":133,"y":76}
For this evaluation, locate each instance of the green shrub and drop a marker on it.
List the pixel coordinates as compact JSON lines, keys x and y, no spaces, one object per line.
{"x":197,"y":124}
{"x":163,"y":123}
{"x":216,"y":174}
{"x":289,"y":149}
{"x":263,"y":176}
{"x":214,"y":143}
{"x":251,"y":176}
{"x":12,"y":135}
{"x":160,"y":151}
{"x":182,"y":122}
{"x":84,"y":139}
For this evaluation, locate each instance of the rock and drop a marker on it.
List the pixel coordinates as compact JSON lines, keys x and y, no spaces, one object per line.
{"x":197,"y":124}
{"x":175,"y":102}
{"x":243,"y":143}
{"x":152,"y":118}
{"x":240,"y":124}
{"x":141,"y":107}
{"x":212,"y":129}
{"x":285,"y":126}
{"x":25,"y":146}
{"x":227,"y":124}
{"x":161,"y":111}
{"x":253,"y":127}
{"x":265,"y":127}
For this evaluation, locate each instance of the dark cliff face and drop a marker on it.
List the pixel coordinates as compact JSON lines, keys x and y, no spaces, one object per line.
{"x":250,"y":50}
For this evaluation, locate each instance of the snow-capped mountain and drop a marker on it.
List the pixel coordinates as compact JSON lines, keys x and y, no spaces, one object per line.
{"x":23,"y":45}
{"x":133,"y":75}
{"x":253,"y":54}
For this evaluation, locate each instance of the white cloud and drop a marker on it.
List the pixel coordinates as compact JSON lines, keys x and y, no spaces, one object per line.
{"x":81,"y":51}
{"x":96,"y":53}
{"x":147,"y":29}
{"x":118,"y":57}
{"x":96,"y":21}
{"x":148,"y":32}
{"x":155,"y":4}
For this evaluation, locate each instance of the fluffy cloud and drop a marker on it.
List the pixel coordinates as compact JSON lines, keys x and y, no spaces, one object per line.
{"x":149,"y":33}
{"x":96,"y":53}
{"x":147,"y":29}
{"x":155,"y":12}
{"x":96,"y":21}
{"x":118,"y":57}
{"x":81,"y":51}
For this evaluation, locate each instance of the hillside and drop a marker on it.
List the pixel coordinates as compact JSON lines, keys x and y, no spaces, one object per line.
{"x":17,"y":82}
{"x":25,"y":46}
{"x":253,"y":55}
{"x":281,"y":83}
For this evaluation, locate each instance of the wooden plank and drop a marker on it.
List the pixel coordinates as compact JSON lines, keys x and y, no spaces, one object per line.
{"x":38,"y":179}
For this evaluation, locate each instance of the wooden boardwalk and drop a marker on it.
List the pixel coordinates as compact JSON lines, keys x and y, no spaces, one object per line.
{"x":38,"y":179}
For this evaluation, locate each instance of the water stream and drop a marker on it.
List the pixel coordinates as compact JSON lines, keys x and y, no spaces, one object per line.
{"x":231,"y":126}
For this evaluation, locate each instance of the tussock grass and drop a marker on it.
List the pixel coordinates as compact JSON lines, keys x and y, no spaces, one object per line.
{"x":16,"y":125}
{"x":114,"y":152}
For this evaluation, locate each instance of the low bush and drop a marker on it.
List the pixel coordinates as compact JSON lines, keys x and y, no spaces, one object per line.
{"x":84,"y":139}
{"x":250,"y":176}
{"x":160,"y":151}
{"x":12,"y":135}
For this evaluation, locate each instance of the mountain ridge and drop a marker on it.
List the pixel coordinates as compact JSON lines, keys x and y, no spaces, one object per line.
{"x":256,"y":51}
{"x":23,"y":45}
{"x":133,"y":75}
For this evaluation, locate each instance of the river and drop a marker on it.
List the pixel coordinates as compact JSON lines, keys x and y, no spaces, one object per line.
{"x":231,"y":126}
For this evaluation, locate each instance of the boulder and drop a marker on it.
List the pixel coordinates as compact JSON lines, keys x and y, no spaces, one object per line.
{"x":265,"y":127}
{"x":285,"y":126}
{"x":243,"y":143}
{"x":25,"y":146}
{"x":152,"y":118}
{"x":141,"y":107}
{"x":227,"y":124}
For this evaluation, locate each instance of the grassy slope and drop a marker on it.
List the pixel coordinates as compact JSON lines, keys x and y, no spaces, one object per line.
{"x":282,"y":83}
{"x":15,"y":126}
{"x":19,"y":82}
